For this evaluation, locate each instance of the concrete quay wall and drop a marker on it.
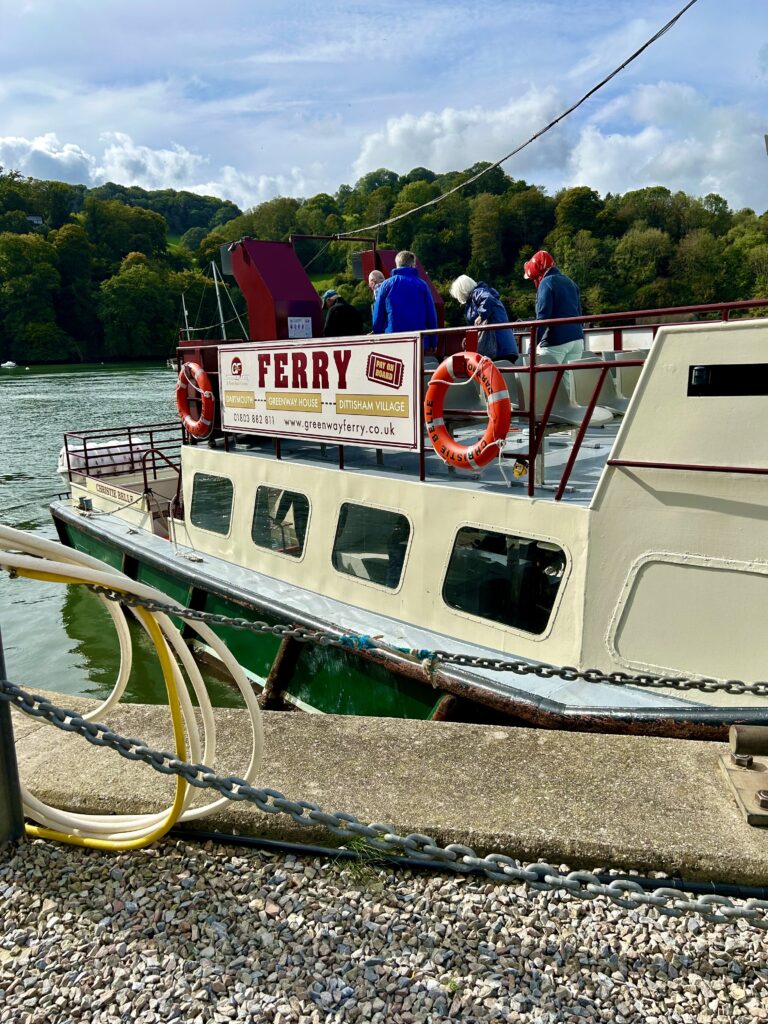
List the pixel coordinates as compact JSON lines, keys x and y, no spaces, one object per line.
{"x":579,"y":799}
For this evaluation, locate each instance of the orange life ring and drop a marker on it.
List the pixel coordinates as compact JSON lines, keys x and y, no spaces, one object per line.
{"x":202,"y":426}
{"x":491,"y":380}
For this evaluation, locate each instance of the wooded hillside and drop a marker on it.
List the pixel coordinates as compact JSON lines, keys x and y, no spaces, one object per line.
{"x":89,"y":274}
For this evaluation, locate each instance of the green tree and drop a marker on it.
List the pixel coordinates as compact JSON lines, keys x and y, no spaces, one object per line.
{"x":75,"y":300}
{"x":116,"y":229}
{"x":758,"y":263}
{"x":272,"y":221}
{"x":16,"y":221}
{"x":375,"y":179}
{"x":577,"y":209}
{"x":209,"y":248}
{"x":411,"y":196}
{"x":378,"y":204}
{"x":719,"y":213}
{"x":55,"y":201}
{"x":485,"y":232}
{"x":530,"y":216}
{"x":418,"y":174}
{"x":581,"y":257}
{"x":653,"y":207}
{"x":192,"y":238}
{"x":697,"y":267}
{"x":642,"y":255}
{"x":494,"y":181}
{"x":15,"y":193}
{"x":319,"y":216}
{"x":29,"y":281}
{"x":181,"y":210}
{"x":137,"y":312}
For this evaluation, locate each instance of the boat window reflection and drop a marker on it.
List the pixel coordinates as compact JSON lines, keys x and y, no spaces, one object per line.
{"x":211,"y":502}
{"x":506,"y":579}
{"x":371,"y":543}
{"x":280,"y":520}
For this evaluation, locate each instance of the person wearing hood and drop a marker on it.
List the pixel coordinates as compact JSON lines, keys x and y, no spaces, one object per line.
{"x":341,"y":319}
{"x":556,"y":296}
{"x":482,"y":305}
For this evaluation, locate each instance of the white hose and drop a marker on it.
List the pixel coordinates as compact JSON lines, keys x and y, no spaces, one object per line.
{"x":27,"y":553}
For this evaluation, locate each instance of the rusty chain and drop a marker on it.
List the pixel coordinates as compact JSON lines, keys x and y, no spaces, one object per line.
{"x":537,"y":876}
{"x":431,"y":658}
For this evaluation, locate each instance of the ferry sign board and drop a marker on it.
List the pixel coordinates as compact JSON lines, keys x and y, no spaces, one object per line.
{"x":358,"y":391}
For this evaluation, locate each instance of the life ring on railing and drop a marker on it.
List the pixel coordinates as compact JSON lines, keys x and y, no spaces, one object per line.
{"x":203,"y":425}
{"x":497,"y":400}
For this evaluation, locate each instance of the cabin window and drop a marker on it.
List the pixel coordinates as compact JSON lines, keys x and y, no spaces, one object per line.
{"x":728,"y":380}
{"x":503,"y":578}
{"x":212,"y":502}
{"x":280,"y":520}
{"x":371,"y":544}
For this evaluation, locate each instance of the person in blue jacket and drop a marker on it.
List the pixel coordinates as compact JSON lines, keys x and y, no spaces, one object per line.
{"x":404,"y":301}
{"x":482,"y":305}
{"x":556,"y":296}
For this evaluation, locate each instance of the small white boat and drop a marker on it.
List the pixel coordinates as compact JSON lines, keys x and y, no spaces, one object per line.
{"x":9,"y":365}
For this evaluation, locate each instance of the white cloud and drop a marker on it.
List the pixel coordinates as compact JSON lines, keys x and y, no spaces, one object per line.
{"x":671,"y":135}
{"x":45,"y":157}
{"x":127,"y":163}
{"x":663,"y":134}
{"x":603,"y":49}
{"x":452,"y":139}
{"x":249,"y":190}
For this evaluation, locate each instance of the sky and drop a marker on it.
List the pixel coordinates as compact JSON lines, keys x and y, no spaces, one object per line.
{"x":249,"y":100}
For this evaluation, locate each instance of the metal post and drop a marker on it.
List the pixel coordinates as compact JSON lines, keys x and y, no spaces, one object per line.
{"x":532,"y":446}
{"x":11,"y":816}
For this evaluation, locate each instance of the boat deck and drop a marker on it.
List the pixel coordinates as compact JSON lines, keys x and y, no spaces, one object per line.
{"x":497,"y":477}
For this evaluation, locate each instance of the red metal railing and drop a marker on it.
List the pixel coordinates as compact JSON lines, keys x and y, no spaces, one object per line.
{"x":175,"y":503}
{"x":115,"y":451}
{"x":537,"y":425}
{"x":149,"y":447}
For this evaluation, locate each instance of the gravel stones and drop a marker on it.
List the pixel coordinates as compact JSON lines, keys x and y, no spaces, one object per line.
{"x":206,"y":934}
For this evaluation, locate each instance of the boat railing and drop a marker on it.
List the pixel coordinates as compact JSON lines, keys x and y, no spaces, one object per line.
{"x":616,"y":325}
{"x":122,"y":451}
{"x":606,"y":334}
{"x":175,"y":504}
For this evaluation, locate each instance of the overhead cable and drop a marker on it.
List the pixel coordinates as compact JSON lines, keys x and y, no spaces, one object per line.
{"x":542,"y":131}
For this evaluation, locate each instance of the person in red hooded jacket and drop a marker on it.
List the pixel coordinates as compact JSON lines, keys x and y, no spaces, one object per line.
{"x":556,"y":296}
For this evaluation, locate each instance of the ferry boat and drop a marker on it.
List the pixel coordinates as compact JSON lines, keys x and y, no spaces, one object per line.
{"x":612,"y":515}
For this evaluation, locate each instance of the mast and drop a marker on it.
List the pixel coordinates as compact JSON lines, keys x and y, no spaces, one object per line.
{"x":186,"y":316}
{"x":218,"y":300}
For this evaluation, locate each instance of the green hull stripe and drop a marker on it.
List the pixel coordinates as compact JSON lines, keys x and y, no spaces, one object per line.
{"x":330,"y":680}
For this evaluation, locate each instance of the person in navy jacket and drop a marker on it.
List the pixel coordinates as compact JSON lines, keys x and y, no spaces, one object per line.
{"x":341,"y":319}
{"x":556,"y":296}
{"x":482,"y":305}
{"x":404,"y":301}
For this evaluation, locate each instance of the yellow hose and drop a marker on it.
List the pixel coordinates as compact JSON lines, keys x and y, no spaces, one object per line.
{"x":178,"y":736}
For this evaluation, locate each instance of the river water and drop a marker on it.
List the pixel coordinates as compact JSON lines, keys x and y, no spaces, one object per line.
{"x":56,"y":637}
